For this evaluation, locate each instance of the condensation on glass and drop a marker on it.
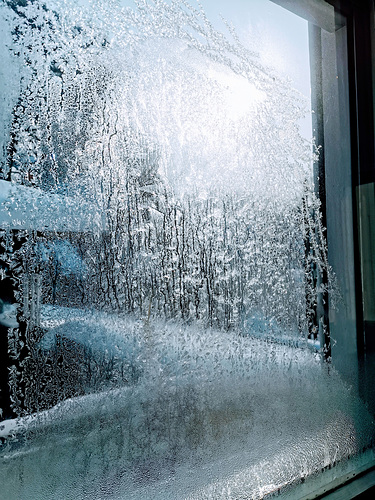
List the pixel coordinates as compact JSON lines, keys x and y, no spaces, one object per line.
{"x":163,"y":262}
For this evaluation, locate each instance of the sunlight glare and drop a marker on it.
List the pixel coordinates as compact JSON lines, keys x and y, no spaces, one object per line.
{"x":241,"y":96}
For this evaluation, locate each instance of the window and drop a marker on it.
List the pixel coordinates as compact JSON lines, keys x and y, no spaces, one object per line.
{"x":187,"y":278}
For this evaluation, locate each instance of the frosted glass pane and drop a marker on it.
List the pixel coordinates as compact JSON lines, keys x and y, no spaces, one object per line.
{"x":163,"y":255}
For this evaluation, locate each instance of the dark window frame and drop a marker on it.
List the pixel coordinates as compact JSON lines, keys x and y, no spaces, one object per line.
{"x":358,"y":66}
{"x":345,"y":37}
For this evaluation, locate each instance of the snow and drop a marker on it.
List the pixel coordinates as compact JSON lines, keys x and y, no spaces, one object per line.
{"x":202,"y":352}
{"x":8,"y":315}
{"x":23,"y":207}
{"x":212,"y":415}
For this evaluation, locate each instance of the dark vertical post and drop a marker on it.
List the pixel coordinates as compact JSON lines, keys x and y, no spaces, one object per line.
{"x":316,"y":72}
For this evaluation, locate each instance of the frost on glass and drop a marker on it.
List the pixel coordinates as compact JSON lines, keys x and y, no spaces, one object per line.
{"x":162,"y":255}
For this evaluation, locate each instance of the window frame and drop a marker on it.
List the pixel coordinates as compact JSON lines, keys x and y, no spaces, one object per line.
{"x":353,"y":39}
{"x":357,"y":65}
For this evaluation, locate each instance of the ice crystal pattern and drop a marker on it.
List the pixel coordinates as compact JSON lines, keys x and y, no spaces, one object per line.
{"x":159,"y":238}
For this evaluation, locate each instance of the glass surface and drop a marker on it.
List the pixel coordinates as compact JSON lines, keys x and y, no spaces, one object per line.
{"x":163,"y":255}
